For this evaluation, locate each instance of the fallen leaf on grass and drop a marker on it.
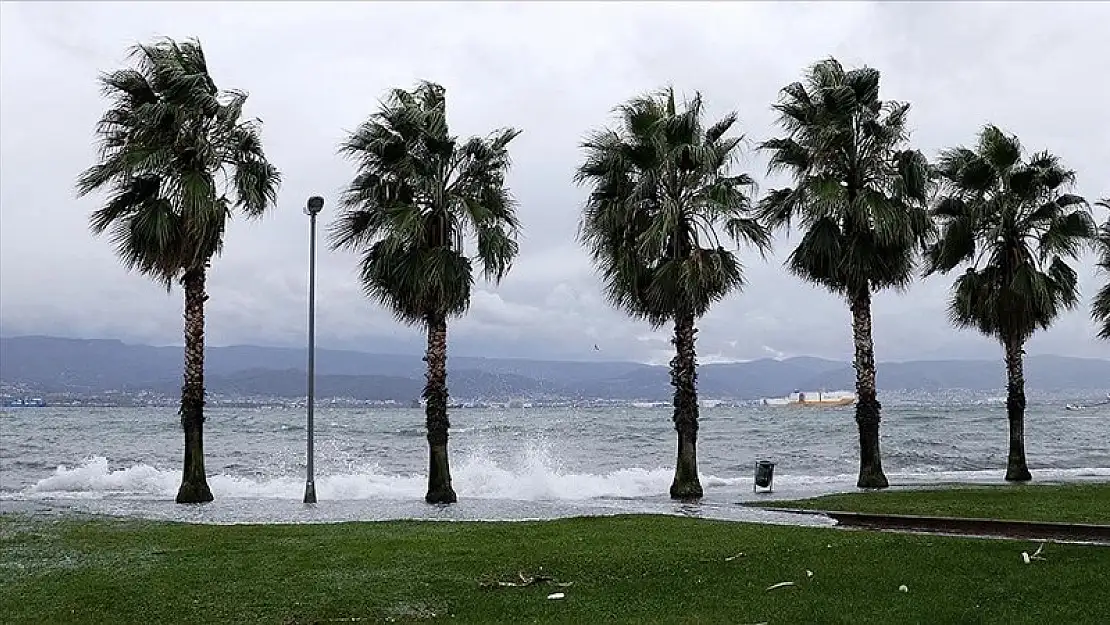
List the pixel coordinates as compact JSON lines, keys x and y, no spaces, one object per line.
{"x":780,"y":585}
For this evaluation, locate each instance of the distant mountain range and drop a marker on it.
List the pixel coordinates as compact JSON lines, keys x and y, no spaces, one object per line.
{"x":56,"y":365}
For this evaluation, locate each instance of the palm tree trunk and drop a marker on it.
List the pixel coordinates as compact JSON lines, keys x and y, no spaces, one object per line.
{"x":684,"y":375}
{"x":868,"y":408}
{"x":435,"y":412}
{"x":1016,"y":469}
{"x":194,"y":484}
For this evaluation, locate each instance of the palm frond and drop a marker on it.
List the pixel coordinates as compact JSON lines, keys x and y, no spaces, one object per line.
{"x":1100,"y":307}
{"x":661,"y":200}
{"x":856,"y":189}
{"x":167,"y":140}
{"x":1007,"y":218}
{"x":418,"y":195}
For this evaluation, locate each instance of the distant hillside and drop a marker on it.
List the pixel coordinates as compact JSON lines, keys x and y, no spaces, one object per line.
{"x":1041,"y":373}
{"x":50,"y":364}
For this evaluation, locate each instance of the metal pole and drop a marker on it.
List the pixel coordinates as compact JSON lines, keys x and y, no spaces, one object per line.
{"x":315,"y":204}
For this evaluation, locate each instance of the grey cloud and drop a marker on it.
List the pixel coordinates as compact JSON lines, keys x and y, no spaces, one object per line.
{"x":554,"y":70}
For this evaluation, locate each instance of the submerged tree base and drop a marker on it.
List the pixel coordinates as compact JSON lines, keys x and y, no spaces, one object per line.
{"x":1018,"y":473}
{"x":686,"y":490}
{"x":441,"y":495}
{"x":439,"y":472}
{"x":192,"y":492}
{"x":872,"y":479}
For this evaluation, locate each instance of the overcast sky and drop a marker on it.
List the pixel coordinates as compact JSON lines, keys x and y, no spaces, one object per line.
{"x":316,"y":70}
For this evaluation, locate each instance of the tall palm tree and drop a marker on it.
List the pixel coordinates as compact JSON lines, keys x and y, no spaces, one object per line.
{"x":660,"y":192}
{"x":859,"y":194}
{"x":418,"y":195}
{"x":1007,"y":218}
{"x":1100,"y":309}
{"x":177,"y":159}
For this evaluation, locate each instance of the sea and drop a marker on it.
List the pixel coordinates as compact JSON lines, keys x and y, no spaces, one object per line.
{"x":522,"y":463}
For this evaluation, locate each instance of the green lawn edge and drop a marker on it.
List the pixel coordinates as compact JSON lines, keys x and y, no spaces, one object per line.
{"x":624,"y":569}
{"x":1060,"y":503}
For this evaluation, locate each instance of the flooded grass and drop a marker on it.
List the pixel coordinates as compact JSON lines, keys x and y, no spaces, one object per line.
{"x":625,"y":569}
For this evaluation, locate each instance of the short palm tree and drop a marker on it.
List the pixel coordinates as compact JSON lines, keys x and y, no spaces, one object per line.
{"x":661,"y":193}
{"x":177,"y":160}
{"x":418,"y":195}
{"x":860,"y":196}
{"x":1100,"y":310}
{"x":1007,"y":218}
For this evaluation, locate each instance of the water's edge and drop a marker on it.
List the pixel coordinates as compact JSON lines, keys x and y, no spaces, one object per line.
{"x":513,"y":464}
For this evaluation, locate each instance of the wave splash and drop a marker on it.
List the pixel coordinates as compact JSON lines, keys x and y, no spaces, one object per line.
{"x":535,"y":477}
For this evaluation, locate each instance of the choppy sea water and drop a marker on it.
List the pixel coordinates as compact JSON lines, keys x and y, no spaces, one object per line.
{"x":519,"y":463}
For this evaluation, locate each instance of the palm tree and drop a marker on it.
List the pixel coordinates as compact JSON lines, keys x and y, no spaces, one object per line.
{"x":177,"y":160}
{"x":660,"y":192}
{"x":860,"y":196}
{"x":1100,"y":310}
{"x":419,"y":193}
{"x":1006,"y":217}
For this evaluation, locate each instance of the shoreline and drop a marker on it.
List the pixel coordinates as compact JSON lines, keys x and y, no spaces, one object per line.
{"x":783,"y":509}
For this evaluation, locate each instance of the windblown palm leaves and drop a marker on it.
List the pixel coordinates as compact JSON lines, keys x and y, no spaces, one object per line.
{"x":1008,"y":219}
{"x":176,"y":160}
{"x":859,"y":196}
{"x":1100,"y":309}
{"x":418,"y":196}
{"x":661,"y":199}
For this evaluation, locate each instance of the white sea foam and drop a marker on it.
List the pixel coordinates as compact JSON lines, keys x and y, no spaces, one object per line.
{"x":532,"y":477}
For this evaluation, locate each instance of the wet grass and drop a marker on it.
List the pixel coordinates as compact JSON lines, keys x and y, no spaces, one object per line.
{"x":630,"y":569}
{"x":1060,"y":503}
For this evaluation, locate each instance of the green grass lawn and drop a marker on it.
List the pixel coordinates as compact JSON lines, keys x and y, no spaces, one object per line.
{"x":1062,"y":503}
{"x":631,"y":569}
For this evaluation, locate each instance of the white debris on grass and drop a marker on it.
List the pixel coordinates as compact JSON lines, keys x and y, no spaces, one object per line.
{"x":1026,"y":558}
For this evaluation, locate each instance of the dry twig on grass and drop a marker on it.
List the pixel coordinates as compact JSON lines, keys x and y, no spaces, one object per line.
{"x":524,"y":581}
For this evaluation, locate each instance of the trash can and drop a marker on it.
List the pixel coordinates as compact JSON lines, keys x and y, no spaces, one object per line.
{"x":764,"y":475}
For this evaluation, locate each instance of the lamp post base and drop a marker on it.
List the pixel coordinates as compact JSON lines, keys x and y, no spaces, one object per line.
{"x":310,"y":492}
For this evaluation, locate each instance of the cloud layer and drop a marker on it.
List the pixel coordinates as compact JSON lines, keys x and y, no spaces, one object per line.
{"x":555,"y":70}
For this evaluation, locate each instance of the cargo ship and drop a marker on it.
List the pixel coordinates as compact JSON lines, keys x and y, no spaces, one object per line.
{"x":812,"y":398}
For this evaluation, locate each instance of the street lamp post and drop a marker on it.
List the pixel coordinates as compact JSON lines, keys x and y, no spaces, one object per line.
{"x":313,"y":208}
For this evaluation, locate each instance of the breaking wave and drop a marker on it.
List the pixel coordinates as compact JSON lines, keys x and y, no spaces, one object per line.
{"x":535,"y":478}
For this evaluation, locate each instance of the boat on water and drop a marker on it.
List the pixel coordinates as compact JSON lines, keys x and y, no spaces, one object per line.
{"x":812,"y":398}
{"x":1081,"y":406}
